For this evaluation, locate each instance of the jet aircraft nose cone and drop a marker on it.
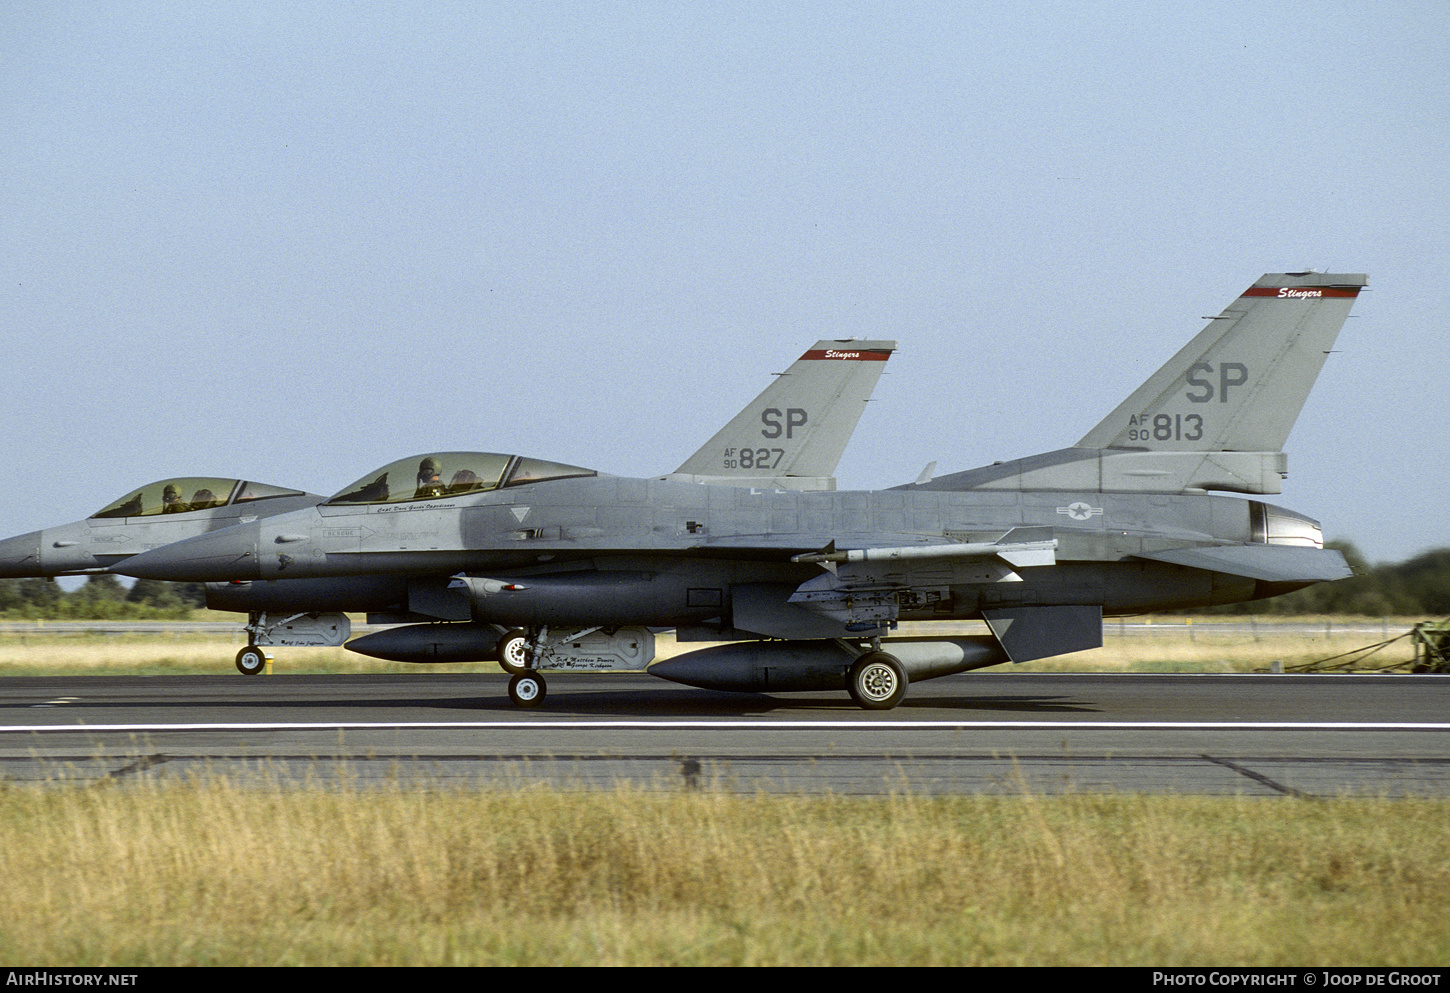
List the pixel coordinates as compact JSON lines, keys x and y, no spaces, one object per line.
{"x":20,"y":556}
{"x":230,"y":553}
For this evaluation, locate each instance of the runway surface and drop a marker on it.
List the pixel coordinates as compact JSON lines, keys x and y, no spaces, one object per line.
{"x":998,"y":732}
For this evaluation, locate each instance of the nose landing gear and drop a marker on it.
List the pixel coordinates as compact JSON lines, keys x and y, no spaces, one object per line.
{"x":527,"y":689}
{"x":251,"y":661}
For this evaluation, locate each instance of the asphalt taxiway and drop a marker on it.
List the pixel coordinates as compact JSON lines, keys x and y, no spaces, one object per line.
{"x":998,"y":732}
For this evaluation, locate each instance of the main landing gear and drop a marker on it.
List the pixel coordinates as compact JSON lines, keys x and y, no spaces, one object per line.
{"x":876,"y":681}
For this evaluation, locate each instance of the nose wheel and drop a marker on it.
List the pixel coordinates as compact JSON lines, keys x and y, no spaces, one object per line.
{"x":527,"y":689}
{"x":251,"y":661}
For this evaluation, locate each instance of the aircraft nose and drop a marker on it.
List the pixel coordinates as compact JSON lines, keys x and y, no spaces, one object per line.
{"x":230,"y":553}
{"x":20,"y":556}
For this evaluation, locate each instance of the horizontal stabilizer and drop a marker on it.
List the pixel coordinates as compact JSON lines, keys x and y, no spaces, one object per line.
{"x":1270,"y":563}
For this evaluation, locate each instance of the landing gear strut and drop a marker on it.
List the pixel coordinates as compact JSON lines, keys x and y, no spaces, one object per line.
{"x":517,"y":653}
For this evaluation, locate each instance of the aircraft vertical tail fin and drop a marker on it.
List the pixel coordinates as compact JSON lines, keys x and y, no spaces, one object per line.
{"x":1240,"y":384}
{"x":793,"y":434}
{"x":1216,"y":415}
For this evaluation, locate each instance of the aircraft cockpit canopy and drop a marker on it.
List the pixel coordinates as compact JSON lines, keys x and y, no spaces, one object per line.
{"x":449,"y":474}
{"x":177,"y":496}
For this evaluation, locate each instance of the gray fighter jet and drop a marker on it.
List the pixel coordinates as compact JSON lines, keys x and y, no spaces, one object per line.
{"x":157,"y":514}
{"x":791,"y":436}
{"x":802,"y":589}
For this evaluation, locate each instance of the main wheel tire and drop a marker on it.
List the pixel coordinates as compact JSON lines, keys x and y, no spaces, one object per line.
{"x":877,"y":681}
{"x":514,"y":653}
{"x":528,"y":689}
{"x":251,"y":661}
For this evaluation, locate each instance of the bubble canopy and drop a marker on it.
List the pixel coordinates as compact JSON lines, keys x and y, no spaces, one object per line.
{"x":448,"y":474}
{"x":187,"y":493}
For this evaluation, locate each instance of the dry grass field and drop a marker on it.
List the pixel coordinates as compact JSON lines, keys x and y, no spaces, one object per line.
{"x":1179,"y":644}
{"x":213,"y":874}
{"x":216,"y":873}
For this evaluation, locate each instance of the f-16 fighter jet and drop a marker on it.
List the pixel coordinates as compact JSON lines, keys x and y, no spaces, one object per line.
{"x":791,"y":436}
{"x":805,"y":588}
{"x":157,"y":514}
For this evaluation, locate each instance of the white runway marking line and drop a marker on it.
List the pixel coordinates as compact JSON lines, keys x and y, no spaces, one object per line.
{"x":754,"y":725}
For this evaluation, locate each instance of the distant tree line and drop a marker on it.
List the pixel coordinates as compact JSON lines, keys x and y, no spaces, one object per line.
{"x":100,"y":597}
{"x":1420,"y":586}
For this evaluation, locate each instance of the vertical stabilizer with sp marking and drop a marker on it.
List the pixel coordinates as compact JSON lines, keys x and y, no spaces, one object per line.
{"x":793,"y":434}
{"x":1240,"y":384}
{"x":1216,"y":416}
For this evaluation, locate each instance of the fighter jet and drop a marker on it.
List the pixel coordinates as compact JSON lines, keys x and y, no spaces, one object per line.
{"x":803,"y":589}
{"x":791,"y":436}
{"x":156,"y":514}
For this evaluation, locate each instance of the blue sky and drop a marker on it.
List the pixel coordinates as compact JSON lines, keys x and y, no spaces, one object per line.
{"x":292,"y":241}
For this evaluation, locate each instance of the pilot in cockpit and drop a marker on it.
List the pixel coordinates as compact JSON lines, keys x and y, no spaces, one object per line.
{"x":430,"y":479}
{"x":171,"y":502}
